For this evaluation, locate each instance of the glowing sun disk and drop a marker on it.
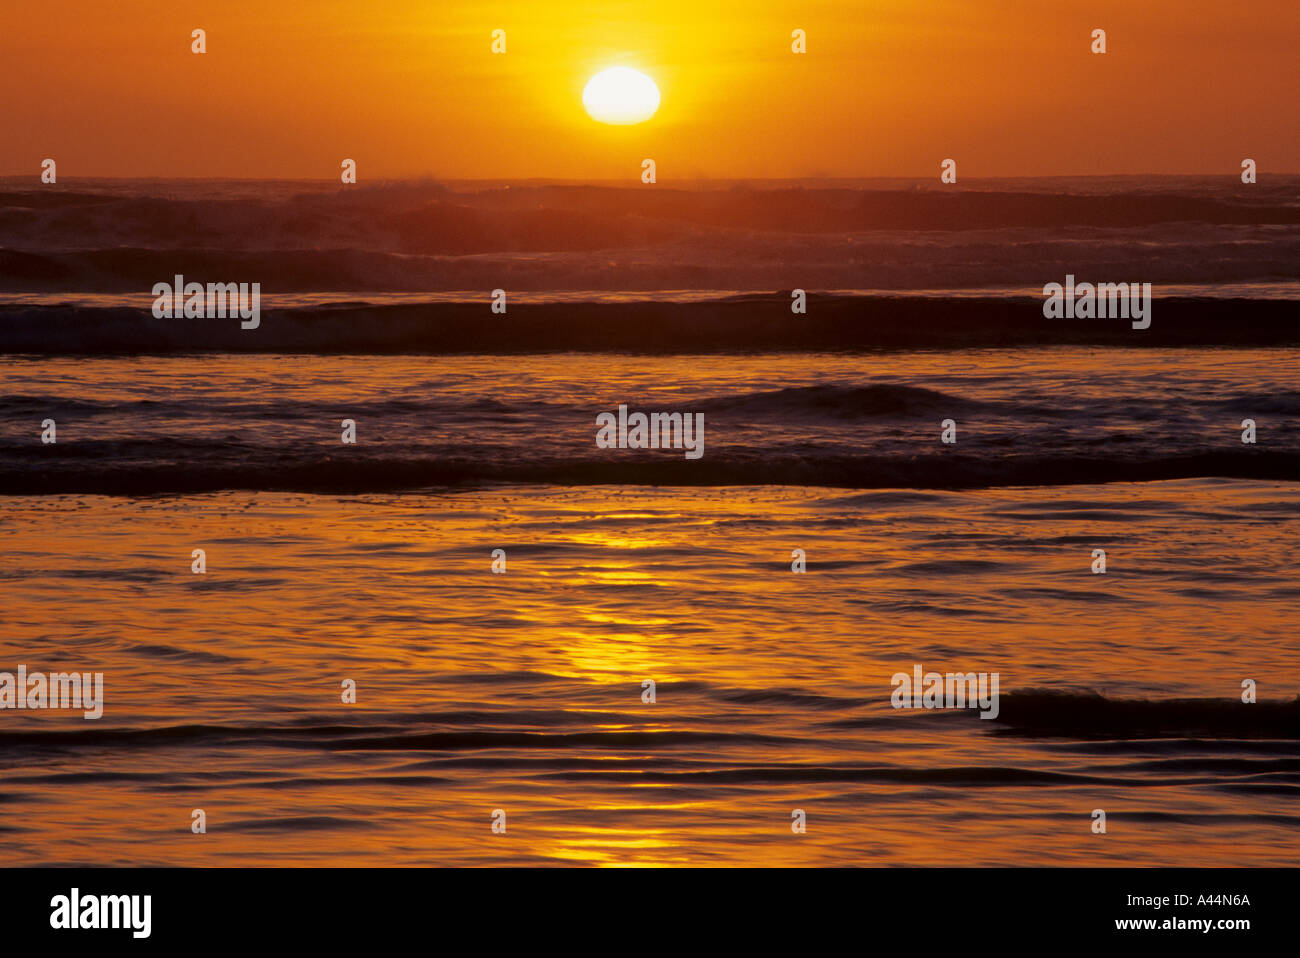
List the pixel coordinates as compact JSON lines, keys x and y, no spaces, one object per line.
{"x":621,"y":95}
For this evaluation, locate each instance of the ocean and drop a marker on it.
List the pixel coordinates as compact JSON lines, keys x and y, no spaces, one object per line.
{"x":522,"y":691}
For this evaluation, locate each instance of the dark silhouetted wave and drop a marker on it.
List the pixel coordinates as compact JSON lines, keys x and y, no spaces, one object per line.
{"x":147,"y":468}
{"x":750,"y":323}
{"x":1090,"y":715}
{"x":837,"y":401}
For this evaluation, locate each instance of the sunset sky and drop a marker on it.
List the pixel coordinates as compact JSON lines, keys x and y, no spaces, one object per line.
{"x":887,"y":88}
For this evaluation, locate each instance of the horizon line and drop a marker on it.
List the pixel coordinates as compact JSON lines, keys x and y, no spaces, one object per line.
{"x":624,"y":181}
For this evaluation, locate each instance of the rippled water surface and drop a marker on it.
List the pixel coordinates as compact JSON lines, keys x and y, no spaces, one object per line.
{"x":522,"y":691}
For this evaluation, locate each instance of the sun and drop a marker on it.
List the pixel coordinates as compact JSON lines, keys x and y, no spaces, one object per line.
{"x":621,"y":95}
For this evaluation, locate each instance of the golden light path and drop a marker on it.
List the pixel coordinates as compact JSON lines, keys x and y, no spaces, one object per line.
{"x":621,"y":96}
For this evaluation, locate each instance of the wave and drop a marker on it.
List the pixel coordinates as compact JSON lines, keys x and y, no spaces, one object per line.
{"x":744,"y":324}
{"x":1048,"y":712}
{"x":824,"y":404}
{"x":1278,"y":404}
{"x":836,"y":401}
{"x":146,"y":468}
{"x":434,"y":218}
{"x":429,"y":237}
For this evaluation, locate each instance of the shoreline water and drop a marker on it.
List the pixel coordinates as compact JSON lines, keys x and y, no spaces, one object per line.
{"x":523,"y":690}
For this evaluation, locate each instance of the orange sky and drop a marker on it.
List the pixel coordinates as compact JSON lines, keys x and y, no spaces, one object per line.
{"x":887,"y":88}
